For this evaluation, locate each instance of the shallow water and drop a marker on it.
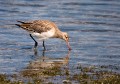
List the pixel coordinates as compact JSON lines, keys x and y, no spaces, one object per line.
{"x":93,"y":27}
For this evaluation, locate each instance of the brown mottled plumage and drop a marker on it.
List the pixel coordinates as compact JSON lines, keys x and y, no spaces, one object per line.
{"x":38,"y":26}
{"x":44,"y":29}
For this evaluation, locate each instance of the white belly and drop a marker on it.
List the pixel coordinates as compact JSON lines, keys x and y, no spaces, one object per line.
{"x":43,"y":35}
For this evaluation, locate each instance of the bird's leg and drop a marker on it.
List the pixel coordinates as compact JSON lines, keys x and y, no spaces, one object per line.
{"x":35,"y":41}
{"x":44,"y":45}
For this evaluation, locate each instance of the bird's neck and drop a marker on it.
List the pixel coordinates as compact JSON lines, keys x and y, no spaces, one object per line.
{"x":59,"y":34}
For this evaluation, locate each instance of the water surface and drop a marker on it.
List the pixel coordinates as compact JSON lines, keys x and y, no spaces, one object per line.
{"x":93,"y":27}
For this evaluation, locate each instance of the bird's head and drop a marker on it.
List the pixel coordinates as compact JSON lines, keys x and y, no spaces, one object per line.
{"x":66,"y":38}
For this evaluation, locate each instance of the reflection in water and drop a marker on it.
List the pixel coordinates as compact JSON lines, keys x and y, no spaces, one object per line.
{"x":43,"y":66}
{"x":94,"y":28}
{"x":46,"y":62}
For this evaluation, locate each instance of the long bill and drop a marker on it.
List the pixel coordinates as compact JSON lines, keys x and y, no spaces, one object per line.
{"x":68,"y":45}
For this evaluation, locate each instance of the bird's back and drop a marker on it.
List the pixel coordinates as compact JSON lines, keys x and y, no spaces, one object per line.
{"x":38,"y":26}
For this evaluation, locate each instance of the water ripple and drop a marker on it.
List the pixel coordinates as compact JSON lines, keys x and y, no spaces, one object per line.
{"x":93,"y":27}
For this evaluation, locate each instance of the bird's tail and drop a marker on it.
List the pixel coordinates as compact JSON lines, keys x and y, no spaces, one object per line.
{"x":18,"y":25}
{"x":20,"y":21}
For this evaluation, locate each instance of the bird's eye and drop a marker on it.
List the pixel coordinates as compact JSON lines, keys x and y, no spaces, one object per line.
{"x":66,"y":37}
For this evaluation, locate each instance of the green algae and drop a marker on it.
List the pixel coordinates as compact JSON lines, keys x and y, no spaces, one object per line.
{"x":87,"y":75}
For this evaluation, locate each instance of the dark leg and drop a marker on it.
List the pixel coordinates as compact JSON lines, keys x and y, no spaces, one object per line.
{"x":44,"y":45}
{"x":35,"y":41}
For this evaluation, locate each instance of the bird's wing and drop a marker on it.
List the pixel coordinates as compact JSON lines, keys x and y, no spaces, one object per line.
{"x":38,"y":26}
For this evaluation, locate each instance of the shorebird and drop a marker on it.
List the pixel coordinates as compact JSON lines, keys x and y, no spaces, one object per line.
{"x":43,"y":29}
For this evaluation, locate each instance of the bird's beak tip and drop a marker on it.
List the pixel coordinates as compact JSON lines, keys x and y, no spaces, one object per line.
{"x":70,"y":49}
